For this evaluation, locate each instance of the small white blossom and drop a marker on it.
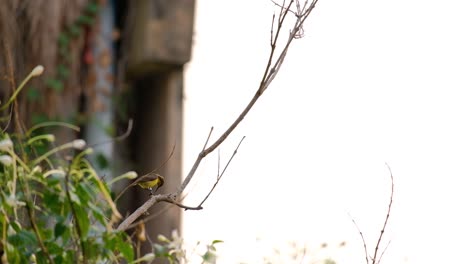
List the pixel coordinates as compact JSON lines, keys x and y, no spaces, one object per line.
{"x":163,"y":238}
{"x":11,"y":231}
{"x":49,"y":137}
{"x":33,"y":258}
{"x":14,"y":202}
{"x":58,"y":172}
{"x":79,"y":144}
{"x":130,"y":175}
{"x":37,"y":169}
{"x":38,"y":70}
{"x":6,"y":160}
{"x":148,"y":257}
{"x":6,"y":144}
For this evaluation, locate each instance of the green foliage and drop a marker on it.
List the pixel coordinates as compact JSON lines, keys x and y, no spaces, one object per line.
{"x":55,"y":84}
{"x":32,"y":94}
{"x":54,"y":208}
{"x":55,"y":211}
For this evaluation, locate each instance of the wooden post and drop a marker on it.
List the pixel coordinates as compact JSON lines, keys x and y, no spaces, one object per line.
{"x":160,"y":42}
{"x":158,"y":128}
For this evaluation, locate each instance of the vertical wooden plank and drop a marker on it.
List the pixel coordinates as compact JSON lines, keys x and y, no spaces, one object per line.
{"x":158,"y":128}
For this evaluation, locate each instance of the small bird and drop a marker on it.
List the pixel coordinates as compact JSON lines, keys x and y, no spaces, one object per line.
{"x":150,"y":181}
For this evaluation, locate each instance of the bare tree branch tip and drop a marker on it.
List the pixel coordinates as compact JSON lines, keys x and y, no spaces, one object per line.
{"x":272,"y":67}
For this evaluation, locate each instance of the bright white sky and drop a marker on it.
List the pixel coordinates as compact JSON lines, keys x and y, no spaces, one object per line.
{"x":372,"y":82}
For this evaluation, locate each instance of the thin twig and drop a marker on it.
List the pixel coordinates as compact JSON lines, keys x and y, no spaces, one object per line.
{"x":282,"y":6}
{"x":383,"y":252}
{"x":362,"y":237}
{"x":118,"y":138}
{"x":218,"y":178}
{"x":268,"y":77}
{"x":374,"y":258}
{"x":271,"y":69}
{"x":386,"y":218}
{"x":199,"y":207}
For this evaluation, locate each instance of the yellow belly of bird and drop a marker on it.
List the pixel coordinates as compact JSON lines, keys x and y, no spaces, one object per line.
{"x":149,"y":184}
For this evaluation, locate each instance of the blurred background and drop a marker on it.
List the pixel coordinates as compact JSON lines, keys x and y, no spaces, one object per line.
{"x":370,"y":84}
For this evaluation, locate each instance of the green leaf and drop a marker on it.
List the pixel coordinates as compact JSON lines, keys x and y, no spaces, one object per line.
{"x":101,"y":161}
{"x":110,"y":130}
{"x":55,"y":84}
{"x":23,"y":239}
{"x":75,"y":30}
{"x":38,"y":118}
{"x":52,"y":201}
{"x":125,"y":248}
{"x":52,"y":181}
{"x":32,"y":94}
{"x":64,"y":52}
{"x":118,"y":242}
{"x":82,"y":220}
{"x":53,"y":248}
{"x":84,"y":192}
{"x":85,"y":20}
{"x":92,"y":8}
{"x":216,"y":242}
{"x":16,"y":226}
{"x":63,"y":71}
{"x":59,"y":229}
{"x":98,"y":213}
{"x":63,"y":39}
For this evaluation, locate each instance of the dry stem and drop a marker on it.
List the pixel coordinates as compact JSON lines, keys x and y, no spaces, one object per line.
{"x":374,"y":258}
{"x":271,"y":70}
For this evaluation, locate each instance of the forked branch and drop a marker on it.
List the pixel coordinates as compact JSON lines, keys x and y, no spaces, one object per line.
{"x":272,"y":67}
{"x":269,"y":75}
{"x":373,"y":259}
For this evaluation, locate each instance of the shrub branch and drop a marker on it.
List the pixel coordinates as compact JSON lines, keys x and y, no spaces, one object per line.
{"x":273,"y":65}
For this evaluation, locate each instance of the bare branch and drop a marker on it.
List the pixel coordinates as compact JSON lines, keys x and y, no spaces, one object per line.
{"x":194,"y":168}
{"x":271,"y":69}
{"x":383,"y":252}
{"x":362,"y":237}
{"x":182,"y":206}
{"x":118,"y":138}
{"x":374,"y":257}
{"x":281,"y":6}
{"x":268,"y":77}
{"x":151,"y":172}
{"x":141,"y":210}
{"x":386,"y":218}
{"x":218,"y":178}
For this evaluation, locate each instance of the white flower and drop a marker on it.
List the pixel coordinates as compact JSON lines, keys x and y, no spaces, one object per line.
{"x":10,"y":231}
{"x":6,"y":160}
{"x":6,"y":144}
{"x":14,"y":202}
{"x":38,"y":70}
{"x":37,"y":169}
{"x":79,"y":144}
{"x":58,"y":172}
{"x":130,"y":175}
{"x":49,"y":137}
{"x":148,"y":257}
{"x":163,"y":238}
